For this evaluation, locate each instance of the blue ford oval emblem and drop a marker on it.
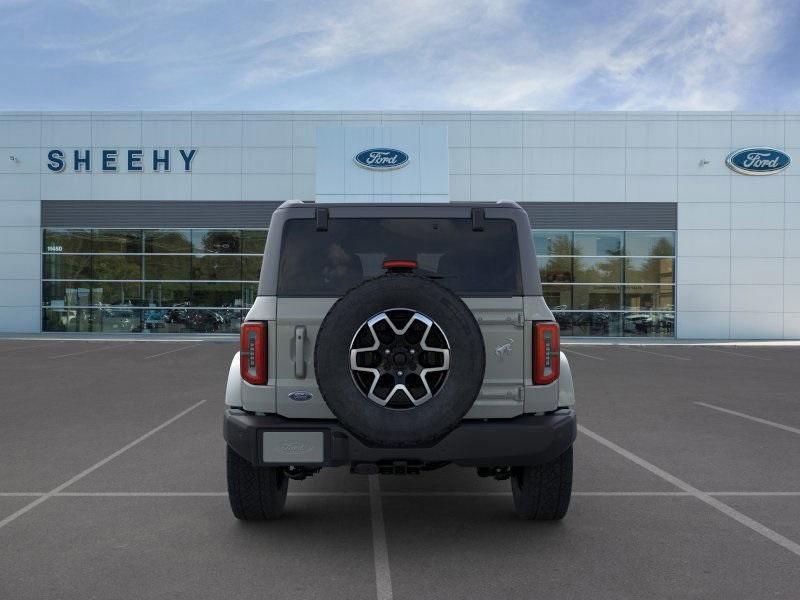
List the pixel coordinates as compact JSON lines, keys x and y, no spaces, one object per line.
{"x":300,"y":396}
{"x":758,"y":161}
{"x":381,"y":159}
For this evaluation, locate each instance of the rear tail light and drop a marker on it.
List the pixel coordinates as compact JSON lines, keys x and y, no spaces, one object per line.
{"x":253,"y":352}
{"x":546,"y":353}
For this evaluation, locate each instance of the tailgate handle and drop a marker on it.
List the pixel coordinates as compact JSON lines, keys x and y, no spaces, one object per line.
{"x":299,"y":352}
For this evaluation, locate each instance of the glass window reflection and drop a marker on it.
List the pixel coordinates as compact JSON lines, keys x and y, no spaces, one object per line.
{"x":552,"y":242}
{"x":217,"y":294}
{"x":134,"y":280}
{"x":251,"y":268}
{"x":649,"y":297}
{"x":68,"y":266}
{"x":249,"y":294}
{"x":203,"y":280}
{"x":116,"y":240}
{"x":168,"y":241}
{"x":598,"y":270}
{"x":168,"y":267}
{"x":226,"y":241}
{"x":649,"y":243}
{"x":598,"y":243}
{"x":253,"y":241}
{"x":167,"y":293}
{"x":215,"y":267}
{"x":597,"y":297}
{"x":91,"y":293}
{"x":555,"y":269}
{"x":594,"y":289}
{"x":116,"y":266}
{"x":67,"y":240}
{"x":594,"y":324}
{"x":648,"y":324}
{"x":649,"y":270}
{"x":138,"y":320}
{"x":558,"y":297}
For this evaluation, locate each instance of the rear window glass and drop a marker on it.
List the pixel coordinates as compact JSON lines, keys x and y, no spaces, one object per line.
{"x":470,"y":263}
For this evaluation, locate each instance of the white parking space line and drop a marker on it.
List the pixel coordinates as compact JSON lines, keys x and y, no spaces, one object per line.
{"x":734,"y":514}
{"x":380,"y":551}
{"x":582,"y":354}
{"x":504,"y":494}
{"x":443,"y":494}
{"x":750,"y":418}
{"x":675,"y":356}
{"x":327,"y":494}
{"x":90,"y":350}
{"x":755,"y":494}
{"x":139,"y":494}
{"x":193,"y":345}
{"x":195,"y":494}
{"x":739,"y":354}
{"x":630,"y":494}
{"x":386,"y":494}
{"x":31,"y":505}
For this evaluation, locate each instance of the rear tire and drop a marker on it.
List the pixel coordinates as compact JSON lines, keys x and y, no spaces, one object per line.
{"x":255,"y":493}
{"x":542,"y":492}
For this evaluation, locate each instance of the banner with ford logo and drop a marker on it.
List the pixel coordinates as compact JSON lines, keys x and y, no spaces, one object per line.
{"x":381,"y":159}
{"x":758,"y":161}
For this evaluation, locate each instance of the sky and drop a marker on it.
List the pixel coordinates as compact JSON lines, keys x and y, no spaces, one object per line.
{"x":400,"y":55}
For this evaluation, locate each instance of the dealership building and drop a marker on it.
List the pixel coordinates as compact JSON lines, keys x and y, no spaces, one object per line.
{"x":648,"y":225}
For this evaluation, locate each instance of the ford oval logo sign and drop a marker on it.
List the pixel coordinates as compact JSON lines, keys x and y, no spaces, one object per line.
{"x":381,"y":159}
{"x":758,"y":161}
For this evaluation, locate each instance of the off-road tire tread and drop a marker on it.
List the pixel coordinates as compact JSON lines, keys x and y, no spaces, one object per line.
{"x":255,"y":493}
{"x":542,"y":492}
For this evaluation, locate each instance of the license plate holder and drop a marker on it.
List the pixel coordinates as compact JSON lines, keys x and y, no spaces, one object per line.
{"x":292,"y":447}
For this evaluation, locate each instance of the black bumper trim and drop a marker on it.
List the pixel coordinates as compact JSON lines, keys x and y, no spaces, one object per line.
{"x":523,"y":440}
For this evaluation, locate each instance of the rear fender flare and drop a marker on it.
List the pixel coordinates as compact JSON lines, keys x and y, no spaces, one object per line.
{"x":566,"y":390}
{"x":233,"y":389}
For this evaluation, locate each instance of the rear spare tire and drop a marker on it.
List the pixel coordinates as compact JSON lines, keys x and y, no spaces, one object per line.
{"x":399,"y":360}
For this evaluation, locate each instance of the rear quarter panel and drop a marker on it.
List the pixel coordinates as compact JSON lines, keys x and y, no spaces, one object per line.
{"x":293,"y":313}
{"x":502,"y":324}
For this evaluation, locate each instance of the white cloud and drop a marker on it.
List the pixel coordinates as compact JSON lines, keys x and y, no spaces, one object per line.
{"x":684,"y":56}
{"x":323,"y":39}
{"x":473,"y":54}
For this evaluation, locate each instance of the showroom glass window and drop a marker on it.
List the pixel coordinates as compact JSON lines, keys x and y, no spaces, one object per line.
{"x":149,"y":280}
{"x":609,"y":283}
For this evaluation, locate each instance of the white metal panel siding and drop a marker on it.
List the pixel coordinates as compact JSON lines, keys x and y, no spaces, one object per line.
{"x":616,"y":161}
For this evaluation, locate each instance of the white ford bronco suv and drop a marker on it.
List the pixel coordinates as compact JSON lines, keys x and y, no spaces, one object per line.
{"x":399,"y":338}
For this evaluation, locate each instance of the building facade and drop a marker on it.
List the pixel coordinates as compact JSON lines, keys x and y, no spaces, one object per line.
{"x":155,"y":222}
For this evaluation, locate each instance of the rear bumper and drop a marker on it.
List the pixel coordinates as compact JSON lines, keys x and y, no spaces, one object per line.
{"x":524,"y":440}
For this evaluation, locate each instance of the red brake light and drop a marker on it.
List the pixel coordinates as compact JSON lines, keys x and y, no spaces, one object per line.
{"x":399,"y":264}
{"x":546,"y":353}
{"x":253,"y":352}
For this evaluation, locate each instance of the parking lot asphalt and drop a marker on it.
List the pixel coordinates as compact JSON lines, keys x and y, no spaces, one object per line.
{"x":112,"y":485}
